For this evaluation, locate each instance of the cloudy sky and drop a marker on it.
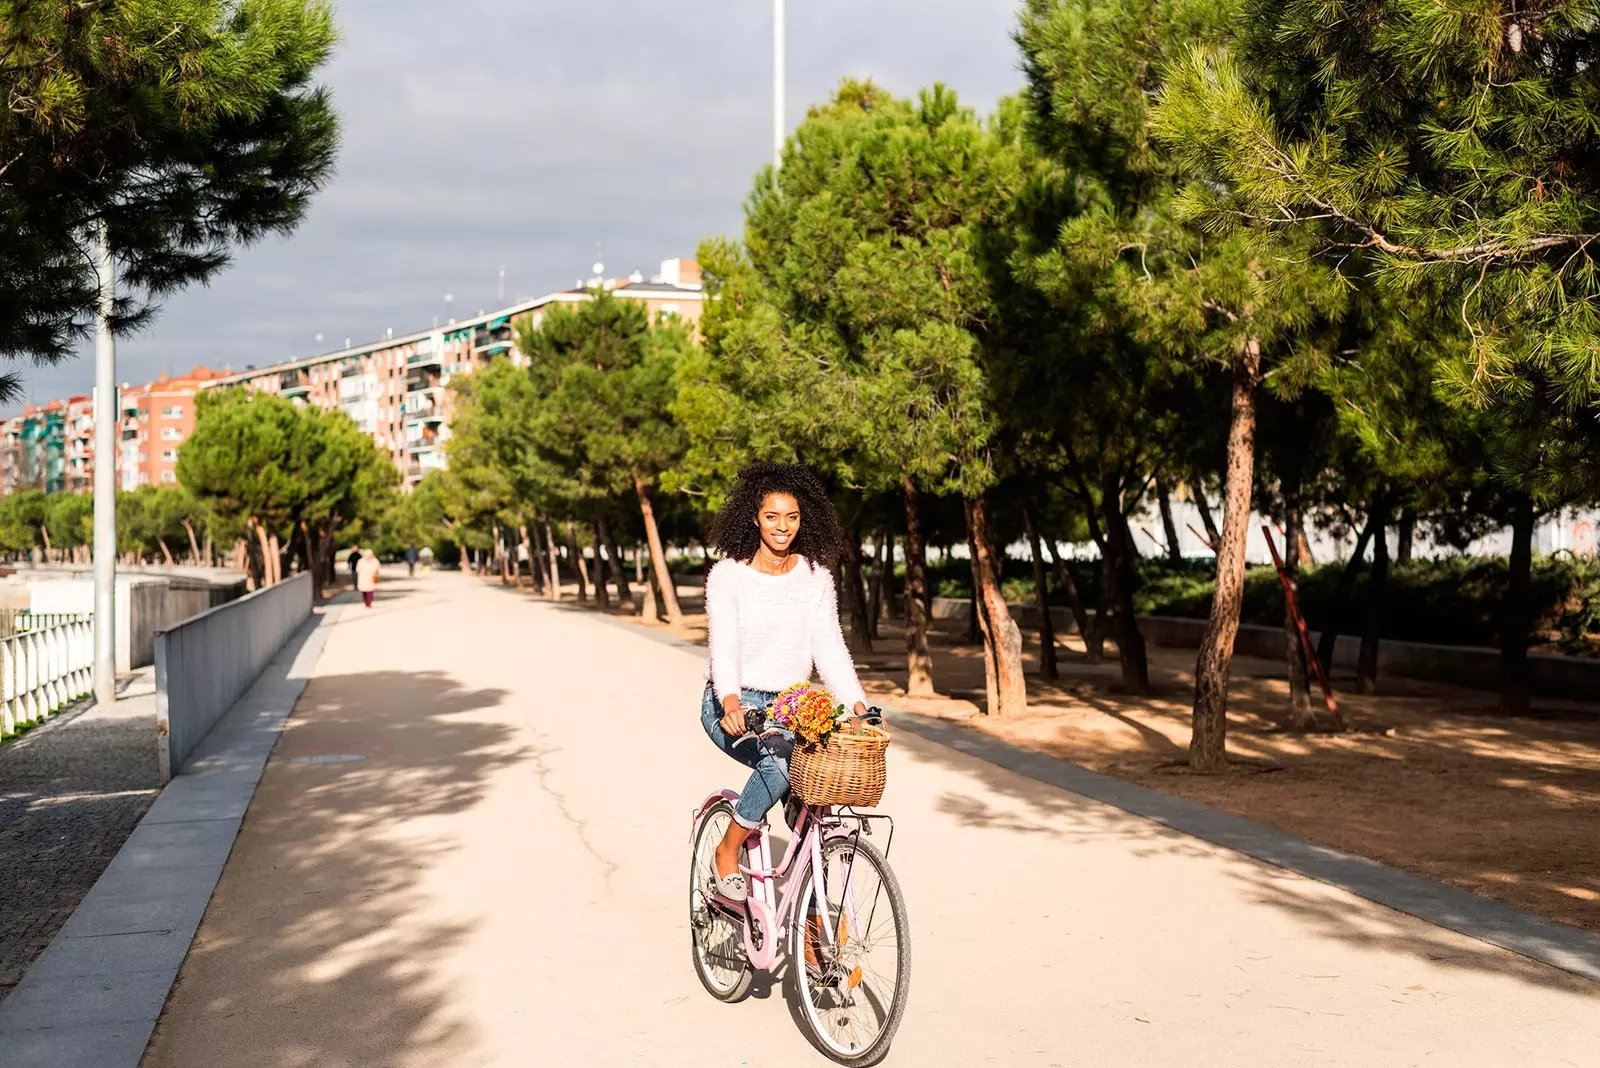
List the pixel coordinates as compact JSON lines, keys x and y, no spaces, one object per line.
{"x":525,"y":133}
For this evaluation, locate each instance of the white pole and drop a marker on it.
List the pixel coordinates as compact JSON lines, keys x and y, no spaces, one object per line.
{"x":105,"y":481}
{"x":777,"y":83}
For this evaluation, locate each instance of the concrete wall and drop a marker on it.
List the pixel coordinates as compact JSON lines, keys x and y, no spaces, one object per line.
{"x":144,"y":604}
{"x":207,"y":662}
{"x":1553,"y":676}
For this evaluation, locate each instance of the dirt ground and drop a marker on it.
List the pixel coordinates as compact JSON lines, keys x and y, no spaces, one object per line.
{"x":1428,"y":777}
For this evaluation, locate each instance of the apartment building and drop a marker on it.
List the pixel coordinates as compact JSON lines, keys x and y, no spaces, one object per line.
{"x":50,"y":446}
{"x":156,"y":419}
{"x":398,"y":390}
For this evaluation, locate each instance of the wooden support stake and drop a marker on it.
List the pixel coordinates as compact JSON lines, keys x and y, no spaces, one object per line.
{"x":1305,"y":633}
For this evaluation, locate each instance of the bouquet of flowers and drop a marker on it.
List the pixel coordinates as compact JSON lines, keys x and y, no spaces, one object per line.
{"x":809,"y":711}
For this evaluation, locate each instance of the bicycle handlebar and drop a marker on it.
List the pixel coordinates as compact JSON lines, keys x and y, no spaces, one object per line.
{"x":755,"y":719}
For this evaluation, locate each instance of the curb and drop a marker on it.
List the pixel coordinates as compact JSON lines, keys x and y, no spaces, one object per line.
{"x":92,"y":998}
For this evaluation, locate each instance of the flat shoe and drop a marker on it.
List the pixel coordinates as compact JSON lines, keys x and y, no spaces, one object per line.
{"x":733,"y":887}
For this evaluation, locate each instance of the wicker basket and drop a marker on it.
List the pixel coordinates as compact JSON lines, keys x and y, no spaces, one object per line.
{"x":846,"y":769}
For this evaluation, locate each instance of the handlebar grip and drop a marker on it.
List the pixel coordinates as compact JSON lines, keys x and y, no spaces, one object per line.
{"x":755,"y":721}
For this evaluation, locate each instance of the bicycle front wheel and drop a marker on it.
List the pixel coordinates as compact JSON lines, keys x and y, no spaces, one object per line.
{"x":851,"y":986}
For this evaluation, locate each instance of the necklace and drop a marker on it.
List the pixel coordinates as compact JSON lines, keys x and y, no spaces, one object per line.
{"x":761,"y":562}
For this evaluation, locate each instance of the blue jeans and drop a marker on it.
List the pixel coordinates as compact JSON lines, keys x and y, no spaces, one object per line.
{"x":768,"y":758}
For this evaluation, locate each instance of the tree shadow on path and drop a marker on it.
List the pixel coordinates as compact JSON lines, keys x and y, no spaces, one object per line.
{"x":314,"y":951}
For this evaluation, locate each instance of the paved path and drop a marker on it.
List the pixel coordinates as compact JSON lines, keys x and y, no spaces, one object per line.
{"x":71,"y":791}
{"x":501,"y":882}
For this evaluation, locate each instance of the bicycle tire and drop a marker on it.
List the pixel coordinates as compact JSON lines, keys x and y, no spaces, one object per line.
{"x":804,"y":990}
{"x":726,"y":983}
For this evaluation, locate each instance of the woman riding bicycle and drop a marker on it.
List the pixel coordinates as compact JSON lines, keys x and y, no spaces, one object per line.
{"x":772,"y":615}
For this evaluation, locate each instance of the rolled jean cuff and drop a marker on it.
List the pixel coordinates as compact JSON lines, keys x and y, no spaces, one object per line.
{"x":740,"y":820}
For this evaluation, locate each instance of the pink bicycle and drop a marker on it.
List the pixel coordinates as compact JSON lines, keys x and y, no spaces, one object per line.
{"x":841,"y":915}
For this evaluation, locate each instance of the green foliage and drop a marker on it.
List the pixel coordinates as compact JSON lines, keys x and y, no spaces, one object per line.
{"x":604,"y":378}
{"x":1445,"y":153}
{"x":184,"y":125}
{"x":260,"y":456}
{"x":70,"y":519}
{"x":850,"y":331}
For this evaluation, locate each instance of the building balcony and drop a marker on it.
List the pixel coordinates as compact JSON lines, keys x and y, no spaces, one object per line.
{"x":429,"y":358}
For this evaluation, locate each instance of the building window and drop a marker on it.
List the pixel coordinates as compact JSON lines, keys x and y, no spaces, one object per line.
{"x":171,"y":433}
{"x":169,"y":476}
{"x":172,"y":412}
{"x":169,"y":455}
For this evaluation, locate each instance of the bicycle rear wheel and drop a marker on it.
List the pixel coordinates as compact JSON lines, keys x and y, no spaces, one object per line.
{"x":717,"y":941}
{"x":851,"y":989}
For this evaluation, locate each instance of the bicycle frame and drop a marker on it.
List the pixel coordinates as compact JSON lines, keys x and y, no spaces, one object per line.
{"x":764,"y":906}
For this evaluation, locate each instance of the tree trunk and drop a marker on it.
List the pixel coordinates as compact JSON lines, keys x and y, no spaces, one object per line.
{"x":859,"y":638}
{"x":554,"y":556}
{"x":166,"y":552}
{"x":46,"y":532}
{"x":1119,"y":581}
{"x":602,"y":596}
{"x":207,"y":550}
{"x":1208,"y":745}
{"x":1091,"y":642}
{"x":1110,"y":585}
{"x":1002,"y":641}
{"x":1341,"y":598}
{"x":1294,"y":653}
{"x":658,"y":558}
{"x":1041,"y":592}
{"x":919,"y":665}
{"x":1204,"y":508}
{"x":1405,"y":535}
{"x":578,"y":564}
{"x":1516,"y":625}
{"x":324,"y":554}
{"x":277,"y":558}
{"x":1367,"y":661}
{"x":267,"y":577}
{"x":194,"y":546}
{"x":1164,"y":499}
{"x":638,"y":561}
{"x":258,"y":553}
{"x":876,"y":586}
{"x":619,"y":568}
{"x":1306,"y":557}
{"x":655,"y":606}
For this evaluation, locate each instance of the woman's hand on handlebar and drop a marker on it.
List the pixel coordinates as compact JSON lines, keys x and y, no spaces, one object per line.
{"x":732,"y":717}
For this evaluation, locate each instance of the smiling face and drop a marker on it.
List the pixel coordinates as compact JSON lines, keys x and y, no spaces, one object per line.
{"x":779,"y":522}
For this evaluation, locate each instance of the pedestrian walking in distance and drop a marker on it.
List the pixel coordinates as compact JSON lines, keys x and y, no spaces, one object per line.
{"x":411,"y":561}
{"x":353,"y":559}
{"x":367,"y":576}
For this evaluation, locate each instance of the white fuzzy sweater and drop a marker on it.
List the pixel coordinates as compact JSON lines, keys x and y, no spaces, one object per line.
{"x":767,"y":631}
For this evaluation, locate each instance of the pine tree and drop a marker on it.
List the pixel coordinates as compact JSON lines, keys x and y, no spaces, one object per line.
{"x":1448,"y":155}
{"x":185,"y":126}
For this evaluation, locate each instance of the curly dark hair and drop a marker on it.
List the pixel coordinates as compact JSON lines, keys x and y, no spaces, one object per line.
{"x":735,"y":536}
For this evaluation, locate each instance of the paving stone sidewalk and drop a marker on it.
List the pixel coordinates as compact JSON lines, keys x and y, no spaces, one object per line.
{"x":71,"y":791}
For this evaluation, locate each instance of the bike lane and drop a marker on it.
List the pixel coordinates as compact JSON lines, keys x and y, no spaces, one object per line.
{"x":499,"y":878}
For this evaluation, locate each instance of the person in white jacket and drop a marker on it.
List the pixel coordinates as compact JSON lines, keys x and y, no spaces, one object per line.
{"x":772,"y":615}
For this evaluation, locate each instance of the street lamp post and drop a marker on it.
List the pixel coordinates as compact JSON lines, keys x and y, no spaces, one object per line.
{"x":777,"y":82}
{"x":105,"y":480}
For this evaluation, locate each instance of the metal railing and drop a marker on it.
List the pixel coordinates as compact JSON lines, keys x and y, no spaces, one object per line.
{"x":47,"y":663}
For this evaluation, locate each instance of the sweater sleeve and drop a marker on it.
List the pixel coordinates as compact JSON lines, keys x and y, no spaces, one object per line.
{"x":828,"y":650}
{"x":722,"y":630}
